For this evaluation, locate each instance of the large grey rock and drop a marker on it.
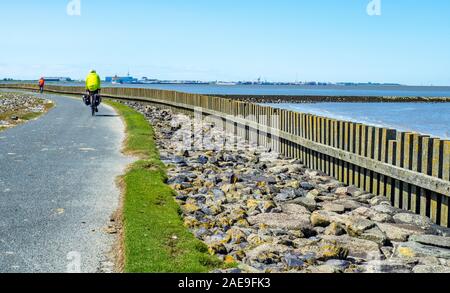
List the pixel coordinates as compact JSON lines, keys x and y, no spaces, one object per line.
{"x":328,"y":198}
{"x":434,"y":269}
{"x":283,"y":197}
{"x":432,"y":240}
{"x":378,"y":200}
{"x":340,"y":264}
{"x":313,"y":194}
{"x":332,"y":207}
{"x":335,"y":229}
{"x":296,"y":167}
{"x":324,"y":269}
{"x":442,"y":231}
{"x":293,"y":261}
{"x":358,"y":248}
{"x":265,"y":248}
{"x":418,"y":220}
{"x":376,"y":235}
{"x":219,"y":195}
{"x":386,"y":209}
{"x":178,"y":179}
{"x":348,"y":204}
{"x":307,"y":186}
{"x":381,"y":218}
{"x":330,"y":184}
{"x":356,"y":192}
{"x":278,"y":170}
{"x":364,"y":198}
{"x":324,"y":218}
{"x":341,"y":191}
{"x":429,"y":261}
{"x":290,"y":208}
{"x":363,"y":212}
{"x":399,"y":232}
{"x":388,"y":266}
{"x":288,"y":194}
{"x":281,"y":220}
{"x":414,"y":249}
{"x":308,"y":203}
{"x":357,"y":225}
{"x":373,"y":215}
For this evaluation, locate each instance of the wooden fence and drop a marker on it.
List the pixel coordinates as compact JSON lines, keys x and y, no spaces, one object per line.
{"x":410,"y":169}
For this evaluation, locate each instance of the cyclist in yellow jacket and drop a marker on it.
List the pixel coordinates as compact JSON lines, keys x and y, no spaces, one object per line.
{"x":93,"y":82}
{"x":93,"y":87}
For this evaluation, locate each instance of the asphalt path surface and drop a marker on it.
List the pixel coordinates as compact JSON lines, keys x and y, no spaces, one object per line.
{"x":58,"y":190}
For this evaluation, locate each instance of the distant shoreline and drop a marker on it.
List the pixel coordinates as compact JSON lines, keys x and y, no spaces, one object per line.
{"x":279,"y":99}
{"x":298,"y":94}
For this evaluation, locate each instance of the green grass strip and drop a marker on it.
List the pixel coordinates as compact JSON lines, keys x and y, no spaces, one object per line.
{"x":155,"y":239}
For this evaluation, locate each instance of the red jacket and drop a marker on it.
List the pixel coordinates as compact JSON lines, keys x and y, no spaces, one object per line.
{"x":41,"y":82}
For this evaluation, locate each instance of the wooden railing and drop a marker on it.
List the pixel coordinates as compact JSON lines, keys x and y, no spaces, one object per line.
{"x":410,"y":169}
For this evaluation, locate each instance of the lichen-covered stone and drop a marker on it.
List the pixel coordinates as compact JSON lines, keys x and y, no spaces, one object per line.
{"x":335,"y":229}
{"x":414,"y":249}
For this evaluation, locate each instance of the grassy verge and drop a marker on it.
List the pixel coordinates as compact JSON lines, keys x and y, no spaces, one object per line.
{"x":155,"y":239}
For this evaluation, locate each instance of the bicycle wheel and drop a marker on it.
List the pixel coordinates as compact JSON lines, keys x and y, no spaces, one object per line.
{"x":92,"y":98}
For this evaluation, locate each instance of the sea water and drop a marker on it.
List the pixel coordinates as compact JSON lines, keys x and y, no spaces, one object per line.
{"x":425,"y":118}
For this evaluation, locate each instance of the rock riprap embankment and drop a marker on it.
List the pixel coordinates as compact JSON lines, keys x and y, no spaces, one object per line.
{"x":268,"y":213}
{"x":14,"y":106}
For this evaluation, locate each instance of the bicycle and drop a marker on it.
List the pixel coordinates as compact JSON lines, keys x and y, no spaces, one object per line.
{"x":92,"y":99}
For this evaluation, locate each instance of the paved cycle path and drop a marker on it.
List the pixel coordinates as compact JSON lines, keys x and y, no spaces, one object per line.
{"x":57,"y":189}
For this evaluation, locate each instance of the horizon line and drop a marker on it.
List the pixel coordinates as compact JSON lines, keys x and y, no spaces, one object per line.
{"x":304,"y":83}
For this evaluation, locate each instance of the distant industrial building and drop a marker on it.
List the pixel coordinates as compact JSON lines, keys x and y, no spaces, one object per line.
{"x":58,"y":79}
{"x":121,"y":79}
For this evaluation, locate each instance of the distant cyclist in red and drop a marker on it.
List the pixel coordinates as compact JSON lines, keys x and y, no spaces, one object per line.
{"x":41,"y":85}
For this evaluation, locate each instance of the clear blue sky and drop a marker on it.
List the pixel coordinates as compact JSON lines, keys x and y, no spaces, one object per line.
{"x":284,"y":40}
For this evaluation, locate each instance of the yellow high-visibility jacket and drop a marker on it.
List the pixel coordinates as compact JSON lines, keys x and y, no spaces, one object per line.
{"x":93,"y":82}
